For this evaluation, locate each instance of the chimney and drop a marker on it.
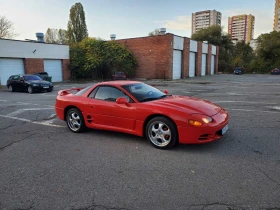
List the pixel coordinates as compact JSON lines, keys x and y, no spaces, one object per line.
{"x":162,"y":31}
{"x":113,"y":36}
{"x":40,"y":37}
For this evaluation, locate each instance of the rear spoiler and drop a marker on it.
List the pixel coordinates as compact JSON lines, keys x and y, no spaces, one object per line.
{"x":69,"y":91}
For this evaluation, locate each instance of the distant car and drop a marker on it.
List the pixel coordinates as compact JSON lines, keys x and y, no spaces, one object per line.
{"x":238,"y":71}
{"x":119,"y":76}
{"x":42,"y":75}
{"x":275,"y":71}
{"x":140,"y":109}
{"x":29,"y":83}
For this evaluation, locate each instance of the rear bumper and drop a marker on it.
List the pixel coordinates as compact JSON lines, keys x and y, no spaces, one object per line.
{"x":206,"y":133}
{"x":59,"y":113}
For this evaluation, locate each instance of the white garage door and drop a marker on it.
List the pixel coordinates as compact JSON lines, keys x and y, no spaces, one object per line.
{"x":203,"y":65}
{"x":54,"y":69}
{"x":212,"y":64}
{"x":8,"y":67}
{"x":192,"y":64}
{"x":177,"y":64}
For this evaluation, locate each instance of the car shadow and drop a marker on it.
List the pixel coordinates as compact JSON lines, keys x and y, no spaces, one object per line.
{"x":207,"y":147}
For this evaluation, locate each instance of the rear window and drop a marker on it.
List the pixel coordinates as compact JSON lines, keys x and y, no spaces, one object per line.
{"x":81,"y":92}
{"x":120,"y":73}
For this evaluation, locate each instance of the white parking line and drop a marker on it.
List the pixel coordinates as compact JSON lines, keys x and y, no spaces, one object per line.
{"x":246,"y":102}
{"x":250,"y":110}
{"x":19,"y":111}
{"x":34,"y":122}
{"x":3,"y":100}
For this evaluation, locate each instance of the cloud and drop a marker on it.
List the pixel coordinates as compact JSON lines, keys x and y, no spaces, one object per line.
{"x":179,"y":23}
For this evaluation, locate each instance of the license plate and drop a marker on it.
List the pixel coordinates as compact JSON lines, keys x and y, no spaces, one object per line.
{"x":46,"y":87}
{"x":224,"y":130}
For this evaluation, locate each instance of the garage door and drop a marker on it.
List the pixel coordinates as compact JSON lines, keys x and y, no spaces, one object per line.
{"x":212,"y":64}
{"x":177,"y":64}
{"x":203,"y":65}
{"x":10,"y":66}
{"x":192,"y":64}
{"x":54,"y":69}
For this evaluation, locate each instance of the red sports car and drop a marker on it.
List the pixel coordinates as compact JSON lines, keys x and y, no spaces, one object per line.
{"x":140,"y":109}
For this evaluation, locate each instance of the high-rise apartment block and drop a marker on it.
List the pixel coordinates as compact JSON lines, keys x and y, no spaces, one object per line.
{"x":204,"y":19}
{"x":276,"y":26}
{"x":241,"y":27}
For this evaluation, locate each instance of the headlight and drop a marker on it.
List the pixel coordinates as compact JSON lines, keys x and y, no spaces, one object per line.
{"x":198,"y":120}
{"x":207,"y":120}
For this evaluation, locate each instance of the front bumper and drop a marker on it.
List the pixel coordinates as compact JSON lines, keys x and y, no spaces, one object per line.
{"x":207,"y":133}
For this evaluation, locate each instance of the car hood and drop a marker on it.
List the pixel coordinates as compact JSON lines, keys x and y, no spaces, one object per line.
{"x":39,"y":82}
{"x":189,"y":104}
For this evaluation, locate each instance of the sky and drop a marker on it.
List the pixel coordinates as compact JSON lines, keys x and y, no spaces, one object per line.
{"x":129,"y":18}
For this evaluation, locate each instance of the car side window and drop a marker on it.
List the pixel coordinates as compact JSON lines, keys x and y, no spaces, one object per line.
{"x":16,"y":77}
{"x":107,"y":93}
{"x":92,"y":94}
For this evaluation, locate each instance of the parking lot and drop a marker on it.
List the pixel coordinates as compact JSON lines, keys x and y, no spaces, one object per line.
{"x":45,"y":166}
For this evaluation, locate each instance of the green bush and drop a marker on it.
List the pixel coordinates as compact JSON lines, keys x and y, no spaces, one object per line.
{"x":98,"y":59}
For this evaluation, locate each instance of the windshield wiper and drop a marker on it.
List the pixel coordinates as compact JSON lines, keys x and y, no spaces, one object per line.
{"x":151,"y":99}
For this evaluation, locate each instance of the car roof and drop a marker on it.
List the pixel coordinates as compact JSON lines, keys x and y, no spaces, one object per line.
{"x":119,"y":82}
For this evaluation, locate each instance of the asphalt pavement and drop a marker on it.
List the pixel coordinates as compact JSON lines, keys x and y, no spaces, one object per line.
{"x":45,"y":166}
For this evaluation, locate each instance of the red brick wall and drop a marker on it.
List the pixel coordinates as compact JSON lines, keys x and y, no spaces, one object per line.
{"x":33,"y":65}
{"x":209,"y":55}
{"x":186,"y":58}
{"x":217,"y":59}
{"x":65,"y":69}
{"x":198,"y":59}
{"x":154,"y":55}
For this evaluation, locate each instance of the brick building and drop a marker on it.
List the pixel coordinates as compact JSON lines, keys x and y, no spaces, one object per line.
{"x":172,"y":57}
{"x":28,"y":57}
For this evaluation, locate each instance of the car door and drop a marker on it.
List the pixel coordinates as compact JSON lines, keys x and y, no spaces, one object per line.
{"x":105,"y":111}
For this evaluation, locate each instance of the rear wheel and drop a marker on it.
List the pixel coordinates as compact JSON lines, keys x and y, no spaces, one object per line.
{"x":75,"y":120}
{"x":11,"y":88}
{"x":30,"y":89}
{"x":161,"y":133}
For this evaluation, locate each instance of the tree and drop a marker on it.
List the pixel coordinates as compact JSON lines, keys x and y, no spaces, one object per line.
{"x":77,"y":28}
{"x":268,"y":52}
{"x":62,"y":36}
{"x":242,"y":55}
{"x":51,"y":36}
{"x":155,"y":32}
{"x":214,"y":35}
{"x":98,"y":59}
{"x":6,"y":28}
{"x":56,"y":36}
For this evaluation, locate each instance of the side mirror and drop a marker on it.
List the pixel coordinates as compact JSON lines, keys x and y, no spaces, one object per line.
{"x":165,"y":91}
{"x":122,"y":100}
{"x":21,"y":80}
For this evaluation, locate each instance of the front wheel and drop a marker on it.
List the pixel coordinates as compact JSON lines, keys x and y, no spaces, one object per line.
{"x":30,"y":89}
{"x":11,"y":88}
{"x":161,"y":133}
{"x":75,"y":120}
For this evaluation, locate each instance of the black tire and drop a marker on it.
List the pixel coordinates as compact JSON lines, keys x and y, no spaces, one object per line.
{"x":30,"y":90}
{"x":75,"y":120}
{"x":49,"y":90}
{"x":11,"y":88}
{"x":165,"y":137}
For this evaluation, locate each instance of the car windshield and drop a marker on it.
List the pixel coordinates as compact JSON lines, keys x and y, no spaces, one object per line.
{"x":31,"y":77}
{"x":143,"y":92}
